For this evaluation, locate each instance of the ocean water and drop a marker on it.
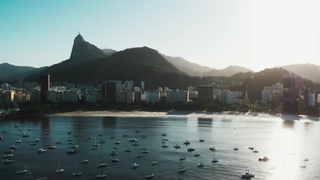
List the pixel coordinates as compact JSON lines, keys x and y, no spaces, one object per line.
{"x":286,"y":143}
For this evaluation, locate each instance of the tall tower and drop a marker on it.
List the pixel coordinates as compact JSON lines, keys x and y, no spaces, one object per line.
{"x":289,"y":88}
{"x":45,"y":86}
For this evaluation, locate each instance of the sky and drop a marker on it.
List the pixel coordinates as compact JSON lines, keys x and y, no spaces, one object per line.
{"x":254,"y":34}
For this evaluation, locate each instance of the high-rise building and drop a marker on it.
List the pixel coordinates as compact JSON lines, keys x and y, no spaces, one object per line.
{"x":265,"y":96}
{"x":45,"y":86}
{"x":289,"y":89}
{"x":109,"y":91}
{"x":205,"y":94}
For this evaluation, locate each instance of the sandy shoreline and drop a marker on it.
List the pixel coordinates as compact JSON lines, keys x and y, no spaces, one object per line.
{"x":183,"y":114}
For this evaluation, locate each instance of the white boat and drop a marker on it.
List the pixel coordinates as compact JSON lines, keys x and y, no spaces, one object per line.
{"x":90,"y":137}
{"x":135,"y":165}
{"x":78,"y":173}
{"x":42,"y":150}
{"x":101,"y":176}
{"x":135,"y":144}
{"x":133,"y":140}
{"x":214,"y":161}
{"x":150,"y":176}
{"x":117,"y":142}
{"x":13,"y":147}
{"x":37,"y":140}
{"x":115,"y":147}
{"x":9,"y":151}
{"x":8,"y":156}
{"x":247,"y":175}
{"x":264,"y":158}
{"x":102,"y":164}
{"x":18,"y":141}
{"x":200,"y":165}
{"x":22,"y":171}
{"x":51,"y":147}
{"x":128,"y":150}
{"x":7,"y":161}
{"x":59,"y":170}
{"x":144,"y":148}
{"x":145,"y":151}
{"x":74,"y":146}
{"x":95,"y":148}
{"x":115,"y":160}
{"x":153,"y":162}
{"x":113,"y":153}
{"x":182,"y":170}
{"x":85,"y":161}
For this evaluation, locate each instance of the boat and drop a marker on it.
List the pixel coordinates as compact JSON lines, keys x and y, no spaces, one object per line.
{"x":135,"y":144}
{"x":149,"y":176}
{"x":51,"y":147}
{"x":102,"y":141}
{"x":32,"y":144}
{"x":16,"y":126}
{"x":201,"y":140}
{"x":255,"y":151}
{"x":144,"y":136}
{"x":101,"y":176}
{"x":112,"y":137}
{"x":133,"y":140}
{"x":74,"y":146}
{"x":197,"y":155}
{"x":182,"y":170}
{"x":128,"y":150}
{"x":182,"y":158}
{"x":165,"y":139}
{"x":40,"y":150}
{"x":247,"y":175}
{"x":137,"y":131}
{"x":13,"y":147}
{"x":69,"y":132}
{"x":29,"y":129}
{"x":176,"y":146}
{"x":125,"y":135}
{"x":117,"y":142}
{"x":113,"y":153}
{"x":115,"y":147}
{"x":78,"y":173}
{"x":135,"y":165}
{"x":8,"y":156}
{"x":104,"y":164}
{"x":25,"y":135}
{"x":72,"y":151}
{"x":7,"y":161}
{"x":90,"y":137}
{"x":145,"y":151}
{"x":264,"y":158}
{"x":214,"y":161}
{"x":139,"y":156}
{"x":115,"y":160}
{"x":212,"y":148}
{"x":100,"y":135}
{"x":250,"y":147}
{"x":59,"y":170}
{"x":144,"y":148}
{"x":200,"y":165}
{"x":37,"y":140}
{"x":305,"y":159}
{"x":153,"y":162}
{"x":3,"y":131}
{"x":191,"y":149}
{"x":22,"y":171}
{"x":43,"y":178}
{"x":8,"y":151}
{"x":164,"y":134}
{"x":85,"y":161}
{"x":186,"y":143}
{"x":236,"y":149}
{"x":165,"y":146}
{"x":303,"y":166}
{"x":18,"y":141}
{"x":95,"y":148}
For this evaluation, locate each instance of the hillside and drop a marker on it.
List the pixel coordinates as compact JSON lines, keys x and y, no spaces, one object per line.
{"x":309,"y":71}
{"x":228,"y":71}
{"x":10,"y":72}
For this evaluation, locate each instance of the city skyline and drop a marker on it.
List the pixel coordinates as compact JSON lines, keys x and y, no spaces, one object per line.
{"x":252,"y":34}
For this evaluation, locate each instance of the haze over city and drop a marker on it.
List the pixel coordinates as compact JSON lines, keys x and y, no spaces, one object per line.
{"x":252,"y":34}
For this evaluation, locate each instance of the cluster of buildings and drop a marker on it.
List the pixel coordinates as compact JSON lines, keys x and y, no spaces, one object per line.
{"x":288,"y":92}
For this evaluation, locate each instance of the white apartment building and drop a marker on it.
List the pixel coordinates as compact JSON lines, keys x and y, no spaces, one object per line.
{"x":226,"y":96}
{"x":177,"y":96}
{"x":71,"y":95}
{"x":265,"y":96}
{"x":312,"y":99}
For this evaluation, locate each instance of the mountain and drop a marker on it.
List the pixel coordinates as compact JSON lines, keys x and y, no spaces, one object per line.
{"x":10,"y":72}
{"x":309,"y":71}
{"x":194,"y":69}
{"x":189,"y":68}
{"x":109,"y":52}
{"x":82,"y":51}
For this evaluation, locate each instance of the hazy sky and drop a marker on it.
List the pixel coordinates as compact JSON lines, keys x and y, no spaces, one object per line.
{"x":254,"y":34}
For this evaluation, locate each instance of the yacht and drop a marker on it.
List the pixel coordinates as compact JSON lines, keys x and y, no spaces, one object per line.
{"x":25,"y":135}
{"x":32,"y":144}
{"x":13,"y":147}
{"x":144,"y":148}
{"x":8,"y":156}
{"x":236,"y":149}
{"x":117,"y":142}
{"x":144,"y":136}
{"x":85,"y":161}
{"x":90,"y":137}
{"x":22,"y":171}
{"x":247,"y":175}
{"x":9,"y":151}
{"x":214,"y":161}
{"x":164,"y":134}
{"x":165,"y":139}
{"x":115,"y":147}
{"x":182,"y":170}
{"x":135,"y":165}
{"x":201,"y":140}
{"x":42,"y":150}
{"x":133,"y":140}
{"x":58,"y":142}
{"x":102,"y":164}
{"x":191,"y":149}
{"x":135,"y":144}
{"x":59,"y":170}
{"x":37,"y":140}
{"x":139,"y":156}
{"x":113,"y":153}
{"x":165,"y":146}
{"x":153,"y":162}
{"x":137,"y":131}
{"x":128,"y":150}
{"x":95,"y":148}
{"x":112,"y":137}
{"x":177,"y":146}
{"x":101,"y":176}
{"x":150,"y":176}
{"x":78,"y":173}
{"x":212,"y":148}
{"x":96,"y":145}
{"x":74,"y":146}
{"x":182,"y":158}
{"x":125,"y":135}
{"x":100,"y":135}
{"x":250,"y":147}
{"x":264,"y":158}
{"x":145,"y":151}
{"x":115,"y":160}
{"x":305,"y":159}
{"x":69,"y":132}
{"x":72,"y":151}
{"x":7,"y":161}
{"x":18,"y":141}
{"x":29,"y":129}
{"x":51,"y":147}
{"x":102,"y":141}
{"x":197,"y":155}
{"x":200,"y":165}
{"x":186,"y":143}
{"x":303,"y":166}
{"x":255,"y":151}
{"x":3,"y":131}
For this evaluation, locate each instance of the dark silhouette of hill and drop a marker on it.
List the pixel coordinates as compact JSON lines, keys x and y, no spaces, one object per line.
{"x":10,"y":72}
{"x":109,"y":52}
{"x":309,"y":71}
{"x":194,"y":69}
